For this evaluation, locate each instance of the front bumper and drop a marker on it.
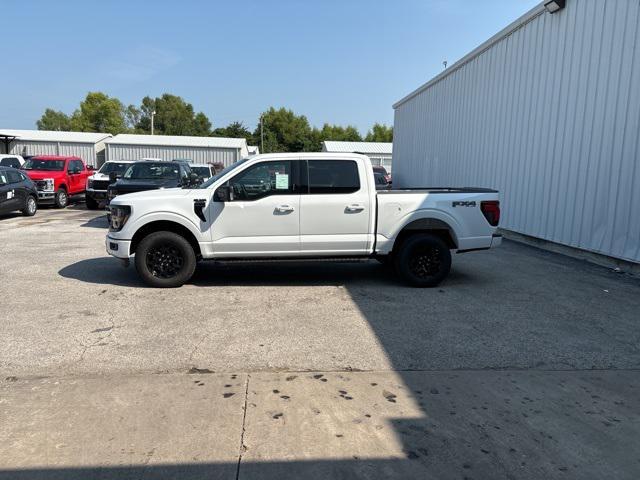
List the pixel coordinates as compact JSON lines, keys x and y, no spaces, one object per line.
{"x":46,"y":196}
{"x":98,"y":195}
{"x":117,"y":247}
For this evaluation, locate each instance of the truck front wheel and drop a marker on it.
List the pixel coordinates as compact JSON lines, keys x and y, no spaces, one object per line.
{"x":61,"y":199}
{"x":91,"y":203}
{"x":423,"y":260}
{"x":165,"y":260}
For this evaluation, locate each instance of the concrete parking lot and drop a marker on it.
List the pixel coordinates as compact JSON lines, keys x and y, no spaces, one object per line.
{"x":523,"y":364}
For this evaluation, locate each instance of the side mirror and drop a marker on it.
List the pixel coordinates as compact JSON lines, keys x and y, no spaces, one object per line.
{"x":223,"y":194}
{"x":113,"y":177}
{"x":91,"y":168}
{"x":194,"y":179}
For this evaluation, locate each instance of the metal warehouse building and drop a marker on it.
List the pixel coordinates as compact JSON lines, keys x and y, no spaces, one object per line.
{"x":88,"y":146}
{"x":548,"y":112}
{"x":380,"y":153}
{"x":196,"y":149}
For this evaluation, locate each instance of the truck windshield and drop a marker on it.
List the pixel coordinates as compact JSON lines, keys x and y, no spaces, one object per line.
{"x":152,"y":171}
{"x":117,"y":167}
{"x":47,"y":165}
{"x":222,"y":173}
{"x":202,"y":172}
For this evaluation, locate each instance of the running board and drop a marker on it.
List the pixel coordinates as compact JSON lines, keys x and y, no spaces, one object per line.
{"x":290,"y":259}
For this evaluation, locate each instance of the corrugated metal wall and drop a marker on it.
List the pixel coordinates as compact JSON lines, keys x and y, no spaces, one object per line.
{"x":86,"y":151}
{"x":549,"y":115}
{"x":196,"y":154}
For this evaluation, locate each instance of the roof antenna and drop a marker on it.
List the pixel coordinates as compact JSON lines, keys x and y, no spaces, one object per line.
{"x":445,"y":64}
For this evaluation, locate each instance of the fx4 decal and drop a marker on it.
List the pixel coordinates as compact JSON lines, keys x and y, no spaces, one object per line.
{"x":464,"y":204}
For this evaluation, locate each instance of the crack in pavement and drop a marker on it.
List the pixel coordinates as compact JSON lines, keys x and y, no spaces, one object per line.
{"x":110,"y":330}
{"x":244,"y":417}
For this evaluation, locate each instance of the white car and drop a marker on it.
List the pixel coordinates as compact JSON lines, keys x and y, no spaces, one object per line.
{"x":98,"y":183}
{"x":204,"y":172}
{"x":13,"y":161}
{"x":300,"y":206}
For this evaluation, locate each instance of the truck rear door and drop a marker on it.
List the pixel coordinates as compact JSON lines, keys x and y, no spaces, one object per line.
{"x":336,"y":214}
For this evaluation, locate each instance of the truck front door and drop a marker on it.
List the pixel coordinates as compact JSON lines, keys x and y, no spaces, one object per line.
{"x":263,"y":216}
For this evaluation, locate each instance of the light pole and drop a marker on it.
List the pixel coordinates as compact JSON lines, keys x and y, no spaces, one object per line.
{"x":261,"y":136}
{"x":153,"y":114}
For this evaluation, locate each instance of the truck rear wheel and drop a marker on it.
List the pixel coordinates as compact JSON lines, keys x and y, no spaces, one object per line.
{"x":423,"y":260}
{"x":165,"y":260}
{"x":30,"y":206}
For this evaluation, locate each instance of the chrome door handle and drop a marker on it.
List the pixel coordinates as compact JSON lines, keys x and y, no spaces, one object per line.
{"x":284,"y":208}
{"x":354,"y":208}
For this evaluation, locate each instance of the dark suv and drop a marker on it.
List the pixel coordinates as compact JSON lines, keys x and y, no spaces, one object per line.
{"x":17,"y":192}
{"x":152,"y":175}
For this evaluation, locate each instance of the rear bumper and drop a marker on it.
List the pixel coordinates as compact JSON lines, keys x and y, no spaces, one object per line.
{"x":117,"y":248}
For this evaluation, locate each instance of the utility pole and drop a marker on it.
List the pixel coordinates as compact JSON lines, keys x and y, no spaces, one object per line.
{"x":153,"y":114}
{"x":261,"y":136}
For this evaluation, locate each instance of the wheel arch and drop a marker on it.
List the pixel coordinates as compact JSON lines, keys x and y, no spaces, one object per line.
{"x":164,"y":226}
{"x":431,"y":225}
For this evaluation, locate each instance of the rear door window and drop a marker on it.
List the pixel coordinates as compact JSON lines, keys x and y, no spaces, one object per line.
{"x":333,"y":176}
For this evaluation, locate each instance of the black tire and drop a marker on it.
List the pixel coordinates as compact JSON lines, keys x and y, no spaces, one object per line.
{"x":423,"y":260}
{"x":61,"y":199}
{"x":91,"y":203}
{"x":30,"y":206}
{"x":165,"y":260}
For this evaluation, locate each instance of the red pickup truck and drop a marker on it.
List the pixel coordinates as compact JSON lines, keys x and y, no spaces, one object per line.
{"x":57,"y":178}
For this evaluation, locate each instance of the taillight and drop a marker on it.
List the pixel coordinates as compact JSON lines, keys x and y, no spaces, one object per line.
{"x":491,"y":211}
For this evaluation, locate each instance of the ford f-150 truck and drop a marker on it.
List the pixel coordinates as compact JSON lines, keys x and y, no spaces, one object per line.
{"x":300,"y":206}
{"x":57,"y":178}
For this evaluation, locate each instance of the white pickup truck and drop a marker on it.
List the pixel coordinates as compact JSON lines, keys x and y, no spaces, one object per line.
{"x":300,"y":206}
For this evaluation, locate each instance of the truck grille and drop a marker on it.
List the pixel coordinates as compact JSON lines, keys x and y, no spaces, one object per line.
{"x":100,"y":184}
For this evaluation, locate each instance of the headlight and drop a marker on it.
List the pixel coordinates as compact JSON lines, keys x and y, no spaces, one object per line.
{"x":119,"y":216}
{"x":89,"y":183}
{"x":49,"y":184}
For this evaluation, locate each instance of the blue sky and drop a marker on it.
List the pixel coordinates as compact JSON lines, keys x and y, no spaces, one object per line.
{"x":343,"y":62}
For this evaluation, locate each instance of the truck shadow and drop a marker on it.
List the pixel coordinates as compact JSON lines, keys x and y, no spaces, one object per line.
{"x":108,"y":271}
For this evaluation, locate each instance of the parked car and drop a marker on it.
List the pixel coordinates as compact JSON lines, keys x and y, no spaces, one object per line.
{"x":152,"y":175}
{"x":301,"y":205}
{"x":13,"y":161}
{"x":17,"y":192}
{"x":380,"y":180}
{"x":204,"y":172}
{"x":383,"y":171}
{"x":57,"y":178}
{"x":98,"y":183}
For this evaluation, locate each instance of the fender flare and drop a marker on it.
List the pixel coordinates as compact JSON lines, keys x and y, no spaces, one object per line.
{"x":164,"y":216}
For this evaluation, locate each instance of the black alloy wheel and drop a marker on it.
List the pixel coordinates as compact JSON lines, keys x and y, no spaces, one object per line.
{"x":165,"y":259}
{"x":423,"y":260}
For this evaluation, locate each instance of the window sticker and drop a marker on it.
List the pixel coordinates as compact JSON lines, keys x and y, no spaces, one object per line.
{"x":282,"y":181}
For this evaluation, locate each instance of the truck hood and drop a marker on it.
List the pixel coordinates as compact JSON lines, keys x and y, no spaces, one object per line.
{"x":99,"y":176}
{"x":157,"y":194}
{"x":41,"y":174}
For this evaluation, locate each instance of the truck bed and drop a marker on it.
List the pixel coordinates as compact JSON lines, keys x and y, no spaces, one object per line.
{"x":437,"y":190}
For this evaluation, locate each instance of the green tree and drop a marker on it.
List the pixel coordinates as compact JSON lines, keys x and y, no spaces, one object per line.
{"x":379,"y":133}
{"x":173,"y":116}
{"x":234,"y":130}
{"x":284,"y":131}
{"x":99,"y":113}
{"x":54,"y":120}
{"x":334,"y":132}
